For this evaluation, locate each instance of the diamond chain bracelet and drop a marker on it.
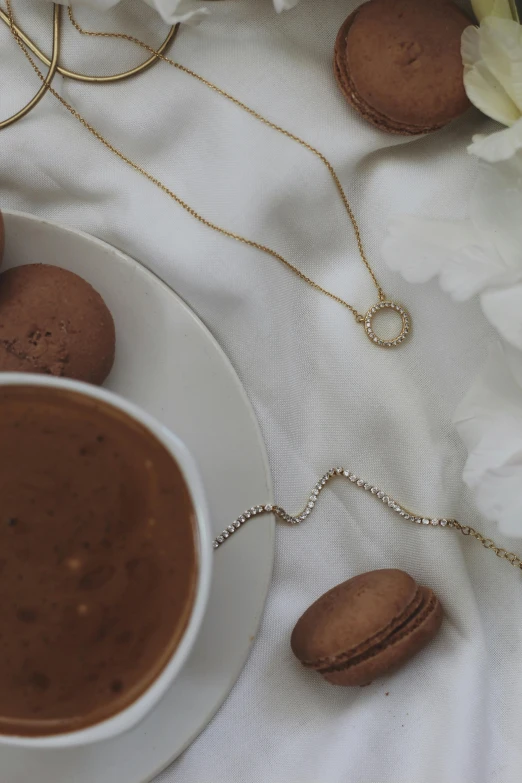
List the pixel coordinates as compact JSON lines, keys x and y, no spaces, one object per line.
{"x":403,"y":512}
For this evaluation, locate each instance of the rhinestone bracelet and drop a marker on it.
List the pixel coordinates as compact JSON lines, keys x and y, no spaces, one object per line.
{"x":399,"y":509}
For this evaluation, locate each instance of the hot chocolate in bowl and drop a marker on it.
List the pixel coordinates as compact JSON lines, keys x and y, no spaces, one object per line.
{"x":105,"y":559}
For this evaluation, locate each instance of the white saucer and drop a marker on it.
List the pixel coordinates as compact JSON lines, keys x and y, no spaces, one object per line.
{"x":169,"y":363}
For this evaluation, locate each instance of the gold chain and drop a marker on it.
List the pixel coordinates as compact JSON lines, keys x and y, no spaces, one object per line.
{"x":270,"y":124}
{"x":405,"y":514}
{"x":155,"y":181}
{"x":53,"y":67}
{"x":89,"y":78}
{"x":466,"y":530}
{"x":487,"y":543}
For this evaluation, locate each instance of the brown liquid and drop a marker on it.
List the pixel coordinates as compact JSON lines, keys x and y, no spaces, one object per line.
{"x":98,"y":561}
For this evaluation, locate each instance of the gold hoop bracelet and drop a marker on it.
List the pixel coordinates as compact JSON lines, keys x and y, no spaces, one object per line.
{"x":54,"y":67}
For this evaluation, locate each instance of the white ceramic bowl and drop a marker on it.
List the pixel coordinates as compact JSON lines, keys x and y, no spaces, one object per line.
{"x":135,"y":712}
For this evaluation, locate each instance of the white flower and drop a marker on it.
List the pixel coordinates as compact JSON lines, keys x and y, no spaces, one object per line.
{"x":480,"y":256}
{"x":489,"y":421}
{"x":492,"y":57}
{"x":174,"y":11}
{"x":284,"y":5}
{"x":506,"y":9}
{"x":171,"y":11}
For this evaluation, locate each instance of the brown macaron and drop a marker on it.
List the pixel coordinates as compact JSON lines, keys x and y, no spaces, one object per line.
{"x":398,"y":63}
{"x":2,"y":238}
{"x":54,"y":322}
{"x":366,"y":627}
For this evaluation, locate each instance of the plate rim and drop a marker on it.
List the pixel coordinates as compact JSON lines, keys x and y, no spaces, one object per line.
{"x":131,"y":264}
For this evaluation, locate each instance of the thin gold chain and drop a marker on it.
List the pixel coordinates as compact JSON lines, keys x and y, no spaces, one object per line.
{"x":257,"y":116}
{"x":155,"y":181}
{"x":466,"y":530}
{"x":488,"y":543}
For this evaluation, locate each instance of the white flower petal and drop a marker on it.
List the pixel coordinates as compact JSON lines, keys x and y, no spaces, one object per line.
{"x":498,"y":146}
{"x":465,"y":257}
{"x":487,"y":94}
{"x":495,"y":210}
{"x":483,"y":89}
{"x":471,"y":269}
{"x":489,"y":421}
{"x":503,"y":308}
{"x":469,"y":256}
{"x":98,"y":5}
{"x":174,"y":11}
{"x":498,"y":495}
{"x":496,"y":205}
{"x":494,"y":390}
{"x":284,"y":5}
{"x":484,"y":8}
{"x":171,"y":11}
{"x":501,"y":50}
{"x":470,"y":46}
{"x":419,"y":248}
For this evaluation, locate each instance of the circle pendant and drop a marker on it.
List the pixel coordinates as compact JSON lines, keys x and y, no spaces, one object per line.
{"x":379,"y":307}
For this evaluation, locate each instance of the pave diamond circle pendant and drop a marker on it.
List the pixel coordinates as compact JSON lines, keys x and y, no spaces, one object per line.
{"x":379,"y":307}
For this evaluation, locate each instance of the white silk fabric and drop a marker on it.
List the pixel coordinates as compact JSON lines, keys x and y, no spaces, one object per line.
{"x":323,"y":394}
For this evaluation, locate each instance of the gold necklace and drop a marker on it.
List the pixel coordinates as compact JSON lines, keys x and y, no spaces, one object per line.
{"x":408,"y":516}
{"x":466,"y":530}
{"x":365,"y":319}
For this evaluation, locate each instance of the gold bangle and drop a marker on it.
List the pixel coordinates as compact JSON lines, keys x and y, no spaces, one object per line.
{"x":82,"y":77}
{"x":53,"y":66}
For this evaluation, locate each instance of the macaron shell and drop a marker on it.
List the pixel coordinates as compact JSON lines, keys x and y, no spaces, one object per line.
{"x":353,"y":616}
{"x":54,"y":322}
{"x":396,"y":650}
{"x":348,"y":89}
{"x":404,"y":60}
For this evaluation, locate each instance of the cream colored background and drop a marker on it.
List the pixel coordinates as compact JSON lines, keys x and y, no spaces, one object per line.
{"x":323,"y":394}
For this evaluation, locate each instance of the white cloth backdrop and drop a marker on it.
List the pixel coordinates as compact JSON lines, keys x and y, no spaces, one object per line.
{"x":323,"y":395}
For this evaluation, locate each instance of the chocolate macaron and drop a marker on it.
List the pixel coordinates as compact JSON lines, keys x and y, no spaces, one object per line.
{"x":366,"y":627}
{"x":398,"y":63}
{"x":54,"y":322}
